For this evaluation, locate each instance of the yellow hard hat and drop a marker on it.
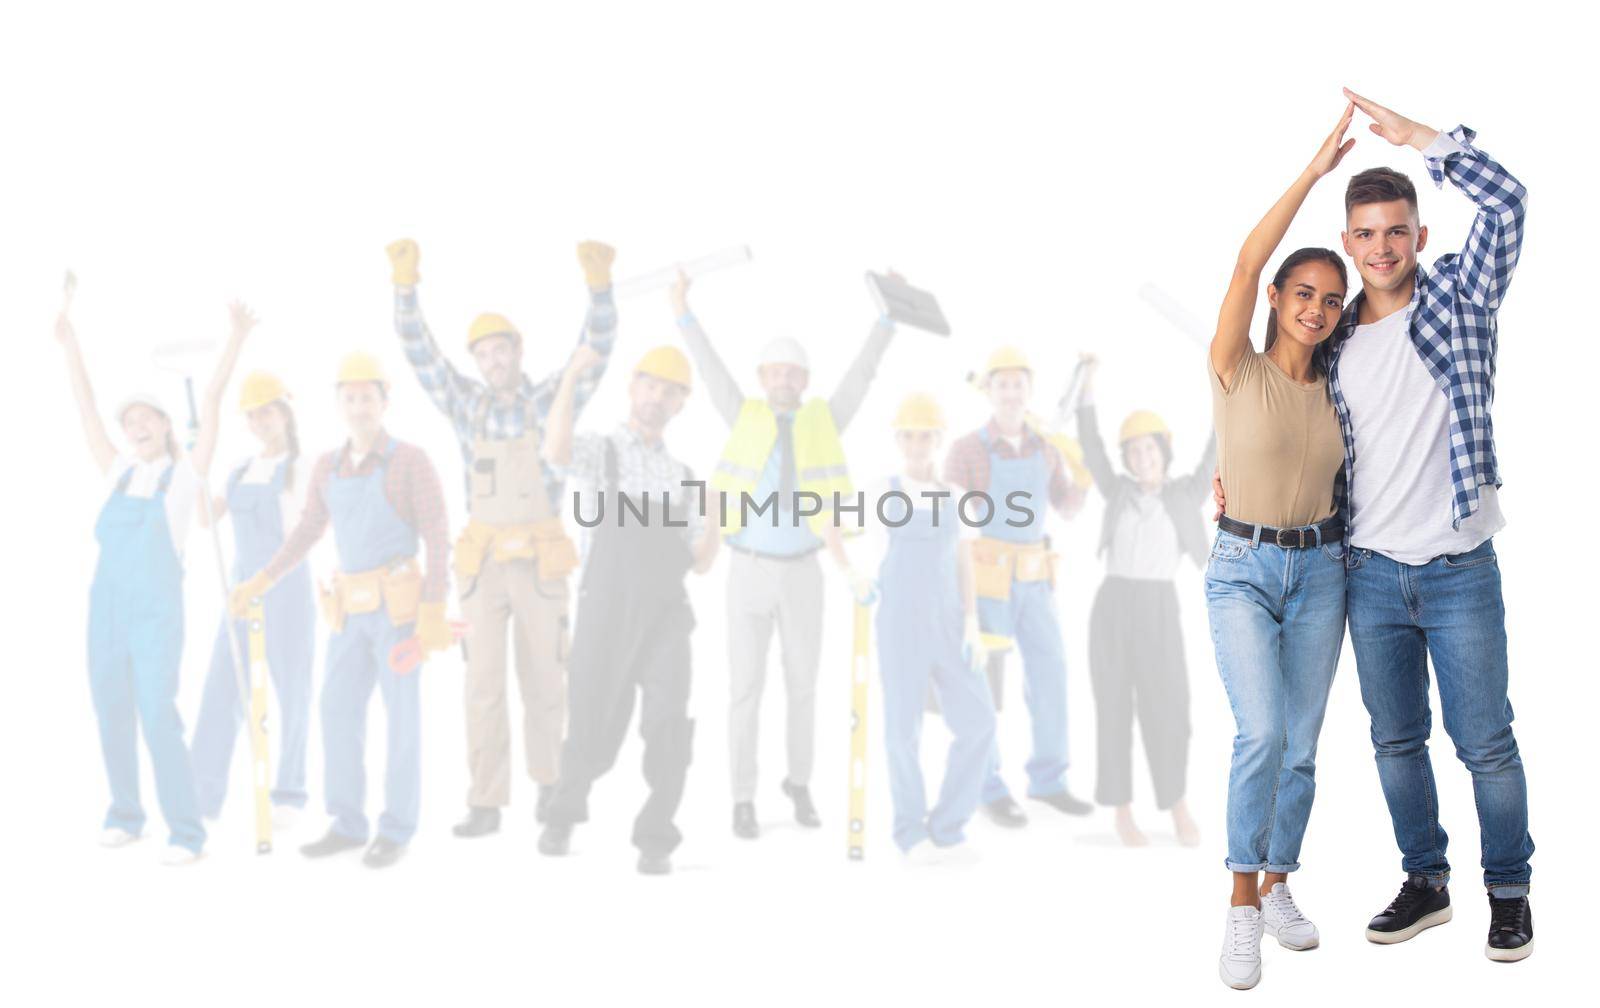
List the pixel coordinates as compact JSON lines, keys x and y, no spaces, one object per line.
{"x":918,"y":412}
{"x":489,"y":324}
{"x":1142,"y":422}
{"x":258,"y":389}
{"x":665,"y":362}
{"x":361,"y":367}
{"x":1007,"y":358}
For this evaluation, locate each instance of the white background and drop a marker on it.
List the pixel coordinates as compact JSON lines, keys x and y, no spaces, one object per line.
{"x":1031,"y":165}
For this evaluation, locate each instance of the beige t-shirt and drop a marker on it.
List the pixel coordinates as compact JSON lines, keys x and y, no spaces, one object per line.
{"x":1278,"y":444}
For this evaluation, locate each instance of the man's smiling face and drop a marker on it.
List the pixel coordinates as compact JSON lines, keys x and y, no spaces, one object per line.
{"x":1383,"y":240}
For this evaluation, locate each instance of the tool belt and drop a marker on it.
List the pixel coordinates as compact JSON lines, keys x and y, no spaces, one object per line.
{"x":996,"y":563}
{"x":1303,"y":537}
{"x":396,"y":588}
{"x":544,"y":541}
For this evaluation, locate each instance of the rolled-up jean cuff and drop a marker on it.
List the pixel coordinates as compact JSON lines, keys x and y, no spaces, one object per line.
{"x":1235,"y":866}
{"x":1511,"y":890}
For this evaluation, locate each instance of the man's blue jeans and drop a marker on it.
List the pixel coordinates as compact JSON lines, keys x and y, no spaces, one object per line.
{"x":1277,"y":620}
{"x":1448,"y":609}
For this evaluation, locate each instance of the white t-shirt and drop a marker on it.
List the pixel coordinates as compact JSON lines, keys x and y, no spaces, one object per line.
{"x":1402,"y":497}
{"x":146,"y":478}
{"x":1144,"y":542}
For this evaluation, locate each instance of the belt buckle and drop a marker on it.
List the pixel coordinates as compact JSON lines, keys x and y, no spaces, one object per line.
{"x":1278,"y":538}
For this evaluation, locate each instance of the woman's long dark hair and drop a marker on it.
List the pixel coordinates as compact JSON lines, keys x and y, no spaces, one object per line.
{"x":1296,"y":259}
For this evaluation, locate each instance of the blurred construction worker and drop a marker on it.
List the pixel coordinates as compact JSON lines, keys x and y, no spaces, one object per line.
{"x":136,"y":610}
{"x":513,"y":558}
{"x":927,"y":634}
{"x":382,"y":497}
{"x":260,"y":496}
{"x":1152,"y":520}
{"x":1014,"y":571}
{"x":634,"y":618}
{"x":780,"y":447}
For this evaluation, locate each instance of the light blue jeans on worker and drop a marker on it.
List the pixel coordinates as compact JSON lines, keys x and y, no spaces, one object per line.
{"x":1277,"y":621}
{"x":1448,"y":609}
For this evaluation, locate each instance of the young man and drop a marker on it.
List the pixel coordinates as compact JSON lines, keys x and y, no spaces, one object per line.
{"x":381,"y":496}
{"x":634,"y":617}
{"x":1014,"y":573}
{"x":785,"y":448}
{"x":1411,"y":367}
{"x":513,"y":558}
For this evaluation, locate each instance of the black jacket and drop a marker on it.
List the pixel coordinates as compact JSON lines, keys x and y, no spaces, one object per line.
{"x":1181,"y":495}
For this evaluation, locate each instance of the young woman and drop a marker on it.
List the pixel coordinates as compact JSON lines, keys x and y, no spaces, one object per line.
{"x":136,"y":610}
{"x":1275,"y":580}
{"x":926,"y":633}
{"x":261,"y":498}
{"x":1135,"y":639}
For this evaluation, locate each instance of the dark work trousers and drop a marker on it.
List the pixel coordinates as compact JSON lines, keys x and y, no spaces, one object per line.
{"x":1136,"y":666}
{"x":632,"y":635}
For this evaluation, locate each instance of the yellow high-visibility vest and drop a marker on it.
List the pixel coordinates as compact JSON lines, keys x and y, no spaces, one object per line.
{"x":818,"y":459}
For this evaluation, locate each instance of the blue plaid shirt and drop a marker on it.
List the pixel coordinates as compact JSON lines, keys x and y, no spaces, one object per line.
{"x":1452,"y":319}
{"x":468,"y":402}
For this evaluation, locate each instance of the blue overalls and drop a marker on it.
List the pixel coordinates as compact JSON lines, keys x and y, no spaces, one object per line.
{"x":290,"y":626}
{"x":1029,"y":618}
{"x":919,"y":636}
{"x":369,"y":533}
{"x":135,"y":649}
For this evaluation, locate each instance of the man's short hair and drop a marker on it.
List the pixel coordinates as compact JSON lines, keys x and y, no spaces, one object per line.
{"x":1379,"y":185}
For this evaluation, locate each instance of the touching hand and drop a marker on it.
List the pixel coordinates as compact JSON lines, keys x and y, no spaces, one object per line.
{"x":678,"y":294}
{"x":240,"y":599}
{"x":1335,"y":147}
{"x":1217,"y":495}
{"x":1393,"y":126}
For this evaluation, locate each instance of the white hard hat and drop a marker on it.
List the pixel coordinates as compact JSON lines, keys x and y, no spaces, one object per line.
{"x":140,"y":399}
{"x":785,"y":350}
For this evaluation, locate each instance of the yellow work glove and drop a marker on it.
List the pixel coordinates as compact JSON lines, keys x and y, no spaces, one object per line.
{"x":403,"y":256}
{"x":433,"y":630}
{"x":595,"y":258}
{"x":247,"y":592}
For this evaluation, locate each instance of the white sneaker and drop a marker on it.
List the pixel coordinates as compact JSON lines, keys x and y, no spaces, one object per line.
{"x":1281,"y":919}
{"x":176,"y":856}
{"x":1240,"y":964}
{"x":112,"y":836}
{"x":923,"y":854}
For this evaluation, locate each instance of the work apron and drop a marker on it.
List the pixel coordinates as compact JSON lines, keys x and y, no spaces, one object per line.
{"x":369,"y":534}
{"x":1028,"y":617}
{"x":135,"y":650}
{"x":918,"y":625}
{"x":289,"y":624}
{"x":511,"y":598}
{"x":632,"y":636}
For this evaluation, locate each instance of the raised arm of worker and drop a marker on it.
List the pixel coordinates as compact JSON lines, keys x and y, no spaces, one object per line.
{"x":599,"y":329}
{"x":852,"y":388}
{"x":1095,"y":458}
{"x":241,"y":321}
{"x":1483,"y":268}
{"x":447,"y":386}
{"x":94,"y":428}
{"x":1232,"y":340}
{"x":714,"y":373}
{"x":557,"y":444}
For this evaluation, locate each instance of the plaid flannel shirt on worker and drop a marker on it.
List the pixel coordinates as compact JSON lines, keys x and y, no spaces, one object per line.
{"x":468,"y":402}
{"x":1452,"y":321}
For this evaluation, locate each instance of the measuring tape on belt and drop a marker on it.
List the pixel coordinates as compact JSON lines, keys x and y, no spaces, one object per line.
{"x":856,"y":836}
{"x":259,"y":771}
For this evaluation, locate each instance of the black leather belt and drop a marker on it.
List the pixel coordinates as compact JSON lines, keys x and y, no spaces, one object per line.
{"x":1304,"y":537}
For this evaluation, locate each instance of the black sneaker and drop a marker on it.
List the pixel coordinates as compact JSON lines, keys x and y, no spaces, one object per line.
{"x":382,"y":853}
{"x":744,"y":821}
{"x":1006,"y":812}
{"x":331,"y":843}
{"x":479,"y":822}
{"x":1510,"y":929}
{"x":543,"y":804}
{"x":805,"y":812}
{"x":555,"y":839}
{"x":1418,"y":907}
{"x":1063,"y":802}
